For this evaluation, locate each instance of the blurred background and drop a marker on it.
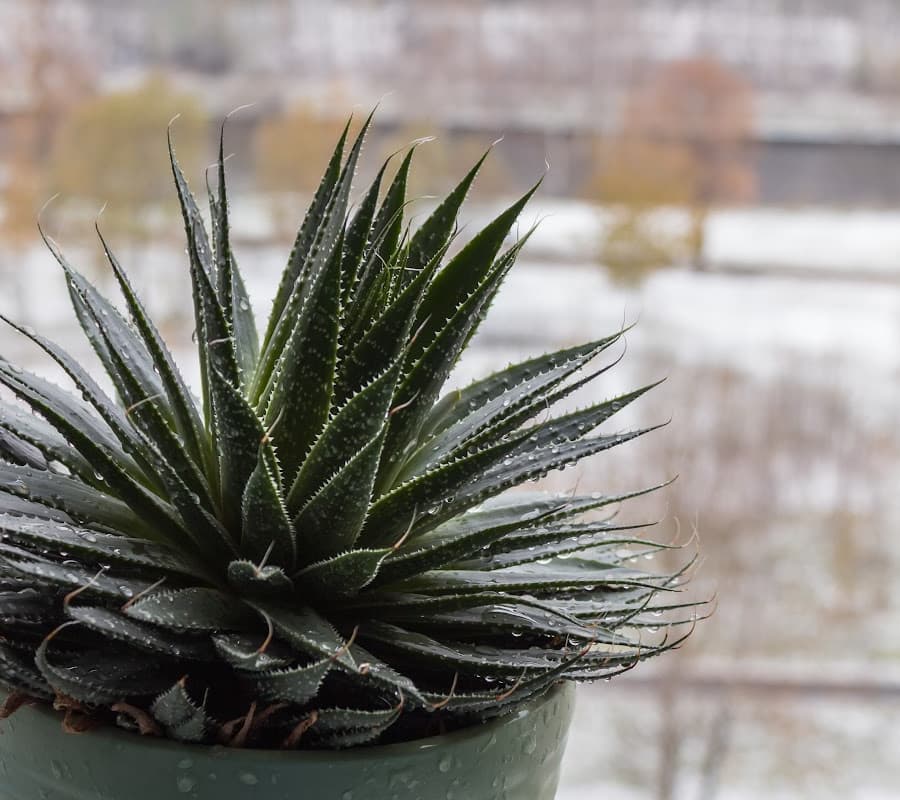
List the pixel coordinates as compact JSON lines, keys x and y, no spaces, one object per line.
{"x":726,"y":172}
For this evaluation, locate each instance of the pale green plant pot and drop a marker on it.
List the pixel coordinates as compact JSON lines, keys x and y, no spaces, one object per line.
{"x":516,"y":757}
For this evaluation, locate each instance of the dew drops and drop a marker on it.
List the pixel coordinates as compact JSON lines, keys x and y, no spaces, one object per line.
{"x":445,"y":763}
{"x":186,"y":784}
{"x":249,"y":779}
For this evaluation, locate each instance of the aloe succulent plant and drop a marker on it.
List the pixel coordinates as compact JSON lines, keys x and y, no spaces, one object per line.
{"x":320,"y":550}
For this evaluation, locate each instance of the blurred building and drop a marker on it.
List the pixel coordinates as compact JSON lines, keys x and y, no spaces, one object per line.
{"x":547,"y":76}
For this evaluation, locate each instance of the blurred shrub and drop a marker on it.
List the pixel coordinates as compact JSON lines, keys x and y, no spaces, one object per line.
{"x":634,"y":245}
{"x":445,"y":157}
{"x":112,"y":150}
{"x":293,"y":148}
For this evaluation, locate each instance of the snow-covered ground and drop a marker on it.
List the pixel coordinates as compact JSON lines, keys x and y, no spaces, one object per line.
{"x":854,"y":243}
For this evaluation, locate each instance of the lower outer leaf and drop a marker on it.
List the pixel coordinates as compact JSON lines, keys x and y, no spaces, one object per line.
{"x":244,"y":653}
{"x":344,"y":740}
{"x":47,"y":574}
{"x":106,"y":461}
{"x":372,"y":670}
{"x":18,"y":672}
{"x":101,"y":682}
{"x":35,"y":431}
{"x":182,"y":718}
{"x":71,"y":496}
{"x":294,"y":684}
{"x":141,"y":636}
{"x":61,"y":534}
{"x":340,"y":719}
{"x":26,"y":607}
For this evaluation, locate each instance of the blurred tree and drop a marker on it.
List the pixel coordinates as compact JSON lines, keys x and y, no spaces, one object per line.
{"x":52,"y":75}
{"x":682,"y":142}
{"x":112,"y":151}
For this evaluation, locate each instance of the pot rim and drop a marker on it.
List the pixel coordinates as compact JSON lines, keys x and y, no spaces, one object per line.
{"x":116,"y":735}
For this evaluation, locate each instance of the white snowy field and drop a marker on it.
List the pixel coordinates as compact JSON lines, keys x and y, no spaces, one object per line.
{"x":784,"y":394}
{"x":857,"y":243}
